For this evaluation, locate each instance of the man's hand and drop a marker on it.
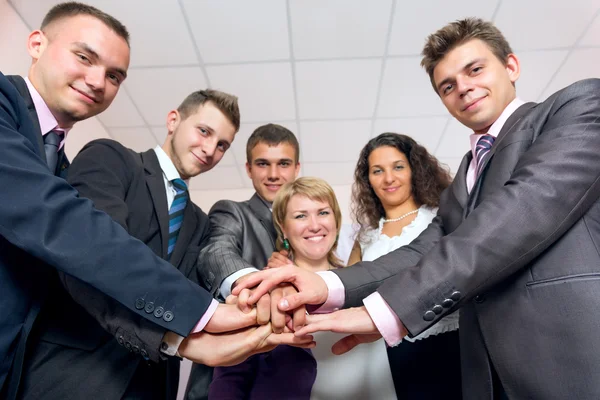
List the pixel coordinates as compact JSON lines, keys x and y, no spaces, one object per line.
{"x":227,"y":349}
{"x":311,"y":287}
{"x":228,"y":317}
{"x":356,"y":321}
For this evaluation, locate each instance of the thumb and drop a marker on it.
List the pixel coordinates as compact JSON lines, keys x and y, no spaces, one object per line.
{"x":345,"y":345}
{"x":294,"y":301}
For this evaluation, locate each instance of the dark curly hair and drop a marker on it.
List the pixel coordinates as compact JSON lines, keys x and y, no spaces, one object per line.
{"x":429,"y":179}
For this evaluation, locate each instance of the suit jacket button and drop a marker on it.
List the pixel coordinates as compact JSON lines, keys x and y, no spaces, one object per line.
{"x":437,"y":309}
{"x":121,"y":340}
{"x":164,"y":346}
{"x":140,"y":303}
{"x":479,"y":298}
{"x":429,"y":315}
{"x":128,"y":346}
{"x":159,"y":311}
{"x":455,"y":295}
{"x":447,"y":303}
{"x":149,"y":307}
{"x":144,"y":353}
{"x":168,"y":316}
{"x":136,"y":349}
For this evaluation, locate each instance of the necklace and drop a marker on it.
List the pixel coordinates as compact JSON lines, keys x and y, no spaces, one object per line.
{"x":401,"y":217}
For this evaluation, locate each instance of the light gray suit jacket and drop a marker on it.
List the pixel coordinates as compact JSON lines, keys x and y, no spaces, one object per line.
{"x":519,"y":255}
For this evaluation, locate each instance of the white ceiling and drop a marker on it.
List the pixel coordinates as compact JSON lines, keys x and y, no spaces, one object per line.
{"x":336,"y":72}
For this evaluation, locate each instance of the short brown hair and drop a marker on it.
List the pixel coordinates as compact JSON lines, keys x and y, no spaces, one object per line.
{"x":226,"y":103}
{"x":315,"y":189}
{"x":454,"y":34}
{"x":72,"y":9}
{"x":272,"y":135}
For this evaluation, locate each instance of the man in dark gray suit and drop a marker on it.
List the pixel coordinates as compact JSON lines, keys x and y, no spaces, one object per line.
{"x":514,"y":245}
{"x":242,"y":236}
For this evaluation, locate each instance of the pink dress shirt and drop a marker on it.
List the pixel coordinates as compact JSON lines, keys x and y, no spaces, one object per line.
{"x":386,"y":321}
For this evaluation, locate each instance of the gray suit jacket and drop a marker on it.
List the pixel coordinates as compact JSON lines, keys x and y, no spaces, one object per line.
{"x":519,"y":256}
{"x":242,"y":236}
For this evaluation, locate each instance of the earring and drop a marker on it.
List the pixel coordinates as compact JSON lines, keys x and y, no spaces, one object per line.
{"x":337,"y":237}
{"x":286,"y":244}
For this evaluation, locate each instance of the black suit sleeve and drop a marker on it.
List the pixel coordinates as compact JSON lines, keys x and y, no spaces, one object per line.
{"x":44,"y":216}
{"x":553,"y":184}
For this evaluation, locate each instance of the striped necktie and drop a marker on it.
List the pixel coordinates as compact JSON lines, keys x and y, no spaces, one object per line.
{"x":483,"y":147}
{"x":176,"y":213}
{"x":52,"y":140}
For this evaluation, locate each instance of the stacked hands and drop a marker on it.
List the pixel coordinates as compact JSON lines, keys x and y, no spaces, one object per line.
{"x":268,"y":308}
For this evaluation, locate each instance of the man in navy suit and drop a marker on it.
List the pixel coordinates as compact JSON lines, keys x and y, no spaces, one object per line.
{"x":80,"y":57}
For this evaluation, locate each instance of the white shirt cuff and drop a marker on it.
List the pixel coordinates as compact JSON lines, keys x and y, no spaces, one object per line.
{"x":225,"y":289}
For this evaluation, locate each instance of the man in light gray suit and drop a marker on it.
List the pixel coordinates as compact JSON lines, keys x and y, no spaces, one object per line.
{"x":242,"y":236}
{"x":515,"y":244}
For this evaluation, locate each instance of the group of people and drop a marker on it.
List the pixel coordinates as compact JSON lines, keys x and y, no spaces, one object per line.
{"x":477,"y":287}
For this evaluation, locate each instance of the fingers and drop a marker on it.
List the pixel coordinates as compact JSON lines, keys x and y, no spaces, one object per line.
{"x":228,"y":317}
{"x":316,"y":323}
{"x":295,"y":301}
{"x":345,"y":345}
{"x":231,"y":299}
{"x":252,"y":280}
{"x":273,"y":278}
{"x":299,"y":317}
{"x":242,"y":301}
{"x":263,"y":310}
{"x":278,"y":259}
{"x":278,"y":317}
{"x":289,"y":339}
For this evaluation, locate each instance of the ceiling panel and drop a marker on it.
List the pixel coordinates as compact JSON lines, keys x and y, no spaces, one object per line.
{"x":255,"y":30}
{"x":156,"y":91}
{"x":337,"y":89}
{"x":333,"y":173}
{"x":265,"y":91}
{"x":425,"y":131}
{"x":339,"y":28}
{"x":592,"y":36}
{"x":414,"y":20}
{"x":406,"y":90}
{"x":220,"y":177}
{"x":333,"y":141}
{"x":543,"y":24}
{"x":581,"y":64}
{"x":455,"y":141}
{"x":122,"y":113}
{"x":138,"y":139}
{"x":537,"y":68}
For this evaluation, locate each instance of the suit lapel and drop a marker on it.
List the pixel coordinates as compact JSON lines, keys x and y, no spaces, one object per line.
{"x":156,"y":187}
{"x":260,"y":209}
{"x":188,"y":227}
{"x":459,"y":185}
{"x":21,"y":86}
{"x":508,"y":127}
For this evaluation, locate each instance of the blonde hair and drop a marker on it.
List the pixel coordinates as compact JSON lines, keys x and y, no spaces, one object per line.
{"x":314,"y":189}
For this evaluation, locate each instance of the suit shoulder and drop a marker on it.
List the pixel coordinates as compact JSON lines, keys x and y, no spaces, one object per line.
{"x":108,"y":146}
{"x":227,"y":205}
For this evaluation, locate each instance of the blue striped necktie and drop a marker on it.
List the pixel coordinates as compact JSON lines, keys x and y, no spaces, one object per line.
{"x":483,"y":147}
{"x":176,"y":213}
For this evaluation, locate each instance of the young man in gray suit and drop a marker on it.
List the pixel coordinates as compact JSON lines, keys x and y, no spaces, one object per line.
{"x":514,"y":245}
{"x":242,"y":236}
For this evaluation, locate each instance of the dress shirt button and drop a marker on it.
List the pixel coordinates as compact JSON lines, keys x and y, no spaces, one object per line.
{"x":437,"y":309}
{"x":149,"y":307}
{"x":479,"y":298}
{"x":168,"y":317}
{"x":121,"y":340}
{"x":455,"y":295}
{"x":159,"y":311}
{"x":447,"y":303}
{"x":140,"y":303}
{"x":429,"y":315}
{"x":136,"y":349}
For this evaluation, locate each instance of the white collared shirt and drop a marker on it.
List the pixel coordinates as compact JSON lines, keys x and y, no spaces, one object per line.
{"x":169,"y":174}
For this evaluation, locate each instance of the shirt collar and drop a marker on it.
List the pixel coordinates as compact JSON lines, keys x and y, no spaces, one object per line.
{"x":45,"y":117}
{"x":497,"y":126}
{"x":167,"y":166}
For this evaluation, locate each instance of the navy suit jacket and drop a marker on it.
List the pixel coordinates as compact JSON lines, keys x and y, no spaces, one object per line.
{"x":45,"y":226}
